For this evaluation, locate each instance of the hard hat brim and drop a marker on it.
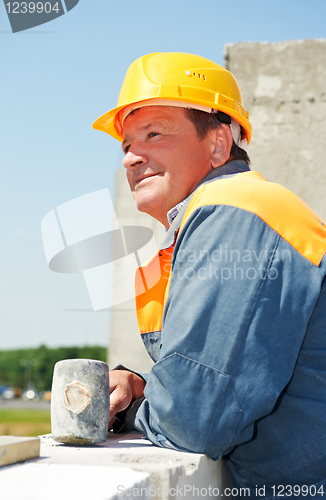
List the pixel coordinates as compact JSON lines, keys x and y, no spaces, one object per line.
{"x":109,"y":121}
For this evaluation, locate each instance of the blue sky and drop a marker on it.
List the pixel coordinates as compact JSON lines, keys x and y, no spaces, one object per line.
{"x":55,"y":80}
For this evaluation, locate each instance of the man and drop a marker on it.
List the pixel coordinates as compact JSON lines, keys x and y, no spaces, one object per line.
{"x":236,"y":320}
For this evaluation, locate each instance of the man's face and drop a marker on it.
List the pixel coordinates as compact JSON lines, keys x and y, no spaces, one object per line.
{"x":164,"y":158}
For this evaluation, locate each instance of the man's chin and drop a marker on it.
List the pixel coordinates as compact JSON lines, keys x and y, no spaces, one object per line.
{"x":149,"y":205}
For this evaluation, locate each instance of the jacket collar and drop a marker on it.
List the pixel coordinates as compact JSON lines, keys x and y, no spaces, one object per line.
{"x":230,"y":168}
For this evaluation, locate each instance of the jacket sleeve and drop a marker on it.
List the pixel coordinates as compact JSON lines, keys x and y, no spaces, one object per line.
{"x":231,"y":333}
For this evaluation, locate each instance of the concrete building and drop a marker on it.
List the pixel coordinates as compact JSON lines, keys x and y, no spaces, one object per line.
{"x":126,"y":346}
{"x":283,"y":86}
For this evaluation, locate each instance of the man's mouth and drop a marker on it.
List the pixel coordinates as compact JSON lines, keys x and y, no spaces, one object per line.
{"x":141,"y":178}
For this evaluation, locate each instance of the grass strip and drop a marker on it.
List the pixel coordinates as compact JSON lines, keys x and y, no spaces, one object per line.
{"x":29,"y":422}
{"x":32,"y":415}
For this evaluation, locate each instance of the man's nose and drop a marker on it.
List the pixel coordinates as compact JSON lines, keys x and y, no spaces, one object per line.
{"x":134,"y":157}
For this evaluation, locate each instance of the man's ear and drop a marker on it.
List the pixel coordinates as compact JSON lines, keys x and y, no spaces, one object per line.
{"x":223,"y":140}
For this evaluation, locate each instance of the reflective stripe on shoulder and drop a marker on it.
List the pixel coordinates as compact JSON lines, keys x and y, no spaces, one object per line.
{"x":278,"y":207}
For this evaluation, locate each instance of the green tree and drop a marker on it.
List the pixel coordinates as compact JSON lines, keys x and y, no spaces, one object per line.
{"x":20,"y":367}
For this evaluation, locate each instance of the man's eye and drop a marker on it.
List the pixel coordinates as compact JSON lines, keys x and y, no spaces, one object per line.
{"x":126,"y":149}
{"x":153,"y":134}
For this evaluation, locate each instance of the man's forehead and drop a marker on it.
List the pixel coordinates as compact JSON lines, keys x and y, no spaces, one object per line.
{"x":147,"y":116}
{"x":155,"y":111}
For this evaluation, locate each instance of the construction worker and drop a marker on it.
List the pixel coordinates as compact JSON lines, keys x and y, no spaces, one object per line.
{"x":235,"y":319}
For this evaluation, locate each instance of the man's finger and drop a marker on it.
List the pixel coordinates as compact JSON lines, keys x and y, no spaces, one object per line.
{"x":119,"y":400}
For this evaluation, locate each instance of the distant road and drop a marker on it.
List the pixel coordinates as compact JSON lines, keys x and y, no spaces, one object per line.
{"x":19,"y":404}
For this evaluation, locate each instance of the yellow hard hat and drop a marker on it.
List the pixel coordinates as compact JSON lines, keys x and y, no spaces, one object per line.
{"x":183,"y":79}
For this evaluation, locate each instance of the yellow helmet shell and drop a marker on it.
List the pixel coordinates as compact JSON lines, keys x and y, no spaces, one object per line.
{"x":177,"y":76}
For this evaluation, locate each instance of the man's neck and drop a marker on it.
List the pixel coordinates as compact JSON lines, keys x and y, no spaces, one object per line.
{"x":231,"y":167}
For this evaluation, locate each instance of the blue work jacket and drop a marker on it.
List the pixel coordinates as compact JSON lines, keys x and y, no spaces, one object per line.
{"x":236,"y":325}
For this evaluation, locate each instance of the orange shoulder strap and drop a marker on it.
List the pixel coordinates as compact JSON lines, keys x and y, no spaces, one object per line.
{"x":152,"y":283}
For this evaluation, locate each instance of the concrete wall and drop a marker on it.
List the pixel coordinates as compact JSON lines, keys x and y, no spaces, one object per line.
{"x":284,"y":89}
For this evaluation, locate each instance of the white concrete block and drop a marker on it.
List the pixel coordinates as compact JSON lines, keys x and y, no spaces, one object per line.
{"x":193,"y":475}
{"x":15,"y":449}
{"x":35,"y":481}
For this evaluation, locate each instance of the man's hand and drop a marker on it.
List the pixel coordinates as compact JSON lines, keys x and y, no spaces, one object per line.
{"x":125,"y":387}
